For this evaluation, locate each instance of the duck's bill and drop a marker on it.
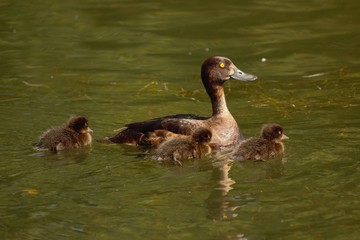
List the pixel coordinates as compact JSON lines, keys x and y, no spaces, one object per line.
{"x":284,"y":137}
{"x":240,"y":75}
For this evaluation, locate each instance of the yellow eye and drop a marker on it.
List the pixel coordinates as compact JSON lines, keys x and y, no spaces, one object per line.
{"x":222,"y":65}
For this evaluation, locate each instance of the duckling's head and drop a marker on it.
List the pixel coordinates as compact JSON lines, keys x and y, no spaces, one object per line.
{"x":79,"y":124}
{"x":273,"y":132}
{"x":202,"y":135}
{"x":219,"y":69}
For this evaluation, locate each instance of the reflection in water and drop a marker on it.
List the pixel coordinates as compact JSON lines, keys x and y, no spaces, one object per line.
{"x":64,"y":157}
{"x":256,"y":171}
{"x":220,"y":204}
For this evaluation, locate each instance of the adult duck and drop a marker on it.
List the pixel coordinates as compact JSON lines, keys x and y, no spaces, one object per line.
{"x":215,"y":71}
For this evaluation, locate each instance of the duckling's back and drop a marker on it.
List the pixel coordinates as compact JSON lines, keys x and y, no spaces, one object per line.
{"x":253,"y":148}
{"x":176,"y":149}
{"x":57,"y":139}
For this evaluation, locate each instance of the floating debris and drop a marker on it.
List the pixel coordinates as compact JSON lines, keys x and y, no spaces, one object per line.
{"x":152,"y":83}
{"x":31,"y":191}
{"x":166,"y":86}
{"x":34,"y":84}
{"x":315,"y":75}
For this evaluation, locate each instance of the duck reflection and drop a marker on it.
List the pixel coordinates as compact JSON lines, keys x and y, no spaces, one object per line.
{"x":220,"y":204}
{"x":64,"y":157}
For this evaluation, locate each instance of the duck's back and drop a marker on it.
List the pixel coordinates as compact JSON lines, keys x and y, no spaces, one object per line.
{"x":178,"y":123}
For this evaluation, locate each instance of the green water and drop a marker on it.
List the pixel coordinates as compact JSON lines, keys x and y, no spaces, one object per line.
{"x":123,"y":61}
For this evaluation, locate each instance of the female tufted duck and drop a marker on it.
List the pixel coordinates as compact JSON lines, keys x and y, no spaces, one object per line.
{"x":268,"y":145}
{"x":75,"y":134}
{"x":187,"y":147}
{"x":215,"y":72}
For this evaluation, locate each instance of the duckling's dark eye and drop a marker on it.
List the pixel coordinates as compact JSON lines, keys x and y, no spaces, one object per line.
{"x":222,"y":65}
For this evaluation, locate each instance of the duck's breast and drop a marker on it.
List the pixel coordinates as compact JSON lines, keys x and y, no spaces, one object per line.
{"x":224,"y":129}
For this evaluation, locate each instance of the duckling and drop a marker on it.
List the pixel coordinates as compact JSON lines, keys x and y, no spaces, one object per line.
{"x":186,"y":147}
{"x":155,"y":138}
{"x":268,"y":145}
{"x":75,"y":134}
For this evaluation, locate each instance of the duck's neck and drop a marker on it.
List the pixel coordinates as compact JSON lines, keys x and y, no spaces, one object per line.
{"x":217,"y":96}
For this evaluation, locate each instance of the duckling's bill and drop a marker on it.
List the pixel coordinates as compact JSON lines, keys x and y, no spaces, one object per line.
{"x":284,"y":137}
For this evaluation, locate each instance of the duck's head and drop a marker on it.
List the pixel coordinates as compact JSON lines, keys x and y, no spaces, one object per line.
{"x":202,"y":135}
{"x":79,"y":124}
{"x":218,"y":69}
{"x":273,"y":132}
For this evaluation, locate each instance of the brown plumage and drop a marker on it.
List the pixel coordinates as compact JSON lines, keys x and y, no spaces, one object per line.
{"x":215,"y":72}
{"x":267,"y":145}
{"x":186,"y":147}
{"x":75,"y":134}
{"x":156,"y":137}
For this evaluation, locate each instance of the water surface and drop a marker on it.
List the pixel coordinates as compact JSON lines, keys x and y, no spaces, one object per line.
{"x":123,"y":61}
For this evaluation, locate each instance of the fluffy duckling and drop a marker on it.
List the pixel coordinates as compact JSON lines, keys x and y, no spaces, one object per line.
{"x":268,"y":145}
{"x":155,"y":138}
{"x":75,"y":134}
{"x":181,"y":148}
